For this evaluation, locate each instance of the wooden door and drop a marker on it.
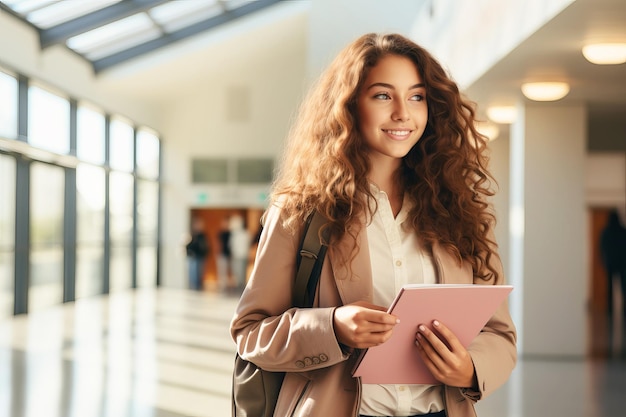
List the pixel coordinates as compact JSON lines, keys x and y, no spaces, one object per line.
{"x":600,"y":327}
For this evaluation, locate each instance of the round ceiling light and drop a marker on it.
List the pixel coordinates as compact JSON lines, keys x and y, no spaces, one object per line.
{"x":605,"y":53}
{"x":545,"y":91}
{"x":502,"y":114}
{"x":488,"y":129}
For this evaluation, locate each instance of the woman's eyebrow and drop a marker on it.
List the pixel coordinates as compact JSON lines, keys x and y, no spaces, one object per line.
{"x":391,"y":87}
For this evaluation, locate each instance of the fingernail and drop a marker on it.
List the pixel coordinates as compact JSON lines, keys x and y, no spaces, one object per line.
{"x":422,"y":327}
{"x":397,"y":321}
{"x":435,"y":323}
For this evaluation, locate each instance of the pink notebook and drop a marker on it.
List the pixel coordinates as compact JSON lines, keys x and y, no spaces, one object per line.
{"x":463,"y":308}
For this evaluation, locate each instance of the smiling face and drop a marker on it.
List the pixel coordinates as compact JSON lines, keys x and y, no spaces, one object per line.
{"x":391,"y":108}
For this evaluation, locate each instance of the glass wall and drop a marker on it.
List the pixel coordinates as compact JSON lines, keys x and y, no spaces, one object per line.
{"x":48,"y":120}
{"x":47,"y":187}
{"x":107,"y":198}
{"x":90,"y":199}
{"x":122,"y":149}
{"x":121,"y":221}
{"x":90,"y":141}
{"x":7,"y":233}
{"x":147,"y":238}
{"x":148,"y":151}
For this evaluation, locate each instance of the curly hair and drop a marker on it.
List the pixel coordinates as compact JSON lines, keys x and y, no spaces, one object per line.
{"x":325,"y":164}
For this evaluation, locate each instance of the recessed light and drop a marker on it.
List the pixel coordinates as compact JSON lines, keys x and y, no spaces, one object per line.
{"x":545,"y":91}
{"x":605,"y":53}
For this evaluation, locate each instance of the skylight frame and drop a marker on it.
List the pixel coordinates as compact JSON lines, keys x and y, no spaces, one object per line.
{"x":107,"y":50}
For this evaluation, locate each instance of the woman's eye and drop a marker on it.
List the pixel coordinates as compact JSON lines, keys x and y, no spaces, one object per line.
{"x":382,"y":96}
{"x":417,"y":97}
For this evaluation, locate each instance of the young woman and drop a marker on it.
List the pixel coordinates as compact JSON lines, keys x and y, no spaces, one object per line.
{"x":386,"y":149}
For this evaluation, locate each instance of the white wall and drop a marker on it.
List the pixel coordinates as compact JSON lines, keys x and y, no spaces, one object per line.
{"x":243,"y":111}
{"x":605,"y":180}
{"x":335,"y":23}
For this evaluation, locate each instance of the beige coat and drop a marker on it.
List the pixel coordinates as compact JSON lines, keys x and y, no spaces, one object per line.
{"x":318,"y":383}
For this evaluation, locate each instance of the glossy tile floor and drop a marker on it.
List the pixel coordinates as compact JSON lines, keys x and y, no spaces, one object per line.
{"x":167,"y":353}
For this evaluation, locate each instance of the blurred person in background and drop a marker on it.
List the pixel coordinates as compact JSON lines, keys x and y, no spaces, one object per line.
{"x":613,"y":249}
{"x":197,"y":251}
{"x":239,"y":250}
{"x":224,"y":274}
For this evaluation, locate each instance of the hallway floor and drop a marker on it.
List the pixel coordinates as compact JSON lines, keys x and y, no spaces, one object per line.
{"x":168,"y":353}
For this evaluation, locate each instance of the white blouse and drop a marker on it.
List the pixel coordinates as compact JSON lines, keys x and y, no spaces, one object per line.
{"x":397,"y":258}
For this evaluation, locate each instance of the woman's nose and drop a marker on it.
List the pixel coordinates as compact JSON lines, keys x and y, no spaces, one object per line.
{"x":400,"y":112}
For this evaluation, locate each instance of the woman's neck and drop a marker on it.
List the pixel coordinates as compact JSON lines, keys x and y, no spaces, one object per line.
{"x":387,"y":180}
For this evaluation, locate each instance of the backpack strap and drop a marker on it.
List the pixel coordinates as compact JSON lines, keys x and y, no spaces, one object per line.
{"x":310,"y":259}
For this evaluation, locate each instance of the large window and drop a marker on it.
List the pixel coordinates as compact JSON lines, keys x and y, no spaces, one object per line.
{"x":90,"y":136}
{"x":90,"y":196}
{"x":121,"y":224}
{"x":121,"y":146}
{"x":148,"y":151}
{"x":7,"y":233}
{"x":147,"y":154}
{"x":147,"y":221}
{"x":46,"y":236}
{"x":48,"y":121}
{"x":84,"y":224}
{"x":8,"y":106}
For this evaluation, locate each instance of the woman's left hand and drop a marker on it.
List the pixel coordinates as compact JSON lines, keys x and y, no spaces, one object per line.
{"x":451,"y":365}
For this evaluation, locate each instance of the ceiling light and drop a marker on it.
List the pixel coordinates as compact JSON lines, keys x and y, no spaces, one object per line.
{"x":502,"y":114}
{"x":605,"y":53}
{"x":488,"y":129}
{"x":545,"y":91}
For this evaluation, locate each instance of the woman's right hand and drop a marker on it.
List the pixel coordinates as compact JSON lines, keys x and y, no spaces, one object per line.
{"x":363,"y":325}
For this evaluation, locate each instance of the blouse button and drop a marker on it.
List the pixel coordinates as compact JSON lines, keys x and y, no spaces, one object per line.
{"x":398,"y":262}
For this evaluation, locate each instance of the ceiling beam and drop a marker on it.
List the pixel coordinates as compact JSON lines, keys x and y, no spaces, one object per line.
{"x":61,"y":33}
{"x":230,"y":15}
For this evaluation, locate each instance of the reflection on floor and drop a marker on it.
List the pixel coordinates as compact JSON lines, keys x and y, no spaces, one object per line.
{"x":167,"y":353}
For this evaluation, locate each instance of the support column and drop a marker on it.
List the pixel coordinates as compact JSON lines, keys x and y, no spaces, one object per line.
{"x":549,"y":229}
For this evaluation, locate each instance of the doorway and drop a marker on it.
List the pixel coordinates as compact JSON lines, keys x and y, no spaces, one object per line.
{"x":607,"y":336}
{"x":214,"y":220}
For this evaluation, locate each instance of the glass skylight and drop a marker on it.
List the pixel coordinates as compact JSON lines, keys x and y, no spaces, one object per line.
{"x":26,"y":6}
{"x":124,"y":43}
{"x":88,"y":30}
{"x":175,"y":21}
{"x":177,"y":9}
{"x":64,"y":11}
{"x":234,"y":4}
{"x":112,"y":33}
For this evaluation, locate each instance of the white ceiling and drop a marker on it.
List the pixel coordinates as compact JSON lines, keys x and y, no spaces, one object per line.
{"x":554,"y":54}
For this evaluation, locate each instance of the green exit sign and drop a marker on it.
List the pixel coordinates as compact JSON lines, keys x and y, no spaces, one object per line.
{"x":202,"y":198}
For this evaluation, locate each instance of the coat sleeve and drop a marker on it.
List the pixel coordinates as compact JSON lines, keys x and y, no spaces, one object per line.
{"x":267,"y":330}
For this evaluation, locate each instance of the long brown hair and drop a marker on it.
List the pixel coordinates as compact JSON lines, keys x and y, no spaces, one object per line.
{"x":325,"y":163}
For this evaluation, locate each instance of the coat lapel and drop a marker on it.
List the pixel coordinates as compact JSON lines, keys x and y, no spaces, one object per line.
{"x":353,"y":280}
